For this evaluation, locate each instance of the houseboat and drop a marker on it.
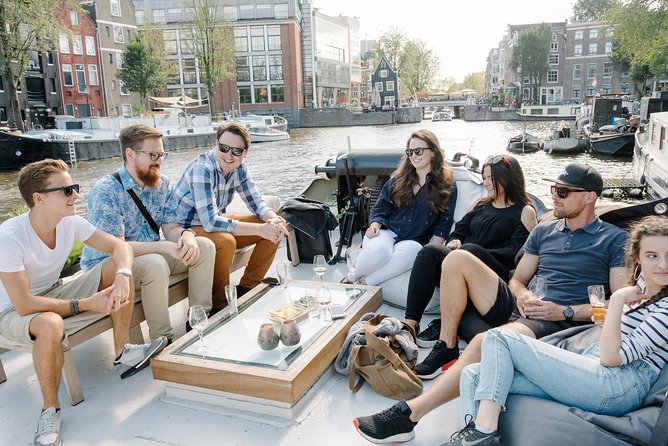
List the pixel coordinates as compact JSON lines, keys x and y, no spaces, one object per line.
{"x":650,"y":157}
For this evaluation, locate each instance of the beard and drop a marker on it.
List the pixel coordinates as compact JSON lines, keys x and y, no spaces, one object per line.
{"x":151,"y":176}
{"x":563,"y":213}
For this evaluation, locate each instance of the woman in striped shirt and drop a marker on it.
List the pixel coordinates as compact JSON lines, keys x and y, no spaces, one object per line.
{"x":611,"y":377}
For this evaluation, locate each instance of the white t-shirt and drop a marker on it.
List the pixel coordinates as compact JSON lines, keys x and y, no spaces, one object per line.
{"x":23,"y":250}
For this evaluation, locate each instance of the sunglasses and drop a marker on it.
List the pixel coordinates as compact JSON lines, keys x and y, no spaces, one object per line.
{"x":67,"y":190}
{"x":154,"y":156}
{"x":562,"y":192}
{"x":236,"y":151}
{"x":496,"y":159}
{"x":419,"y":151}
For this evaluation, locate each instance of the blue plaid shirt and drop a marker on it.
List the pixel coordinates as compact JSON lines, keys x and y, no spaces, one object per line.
{"x":111,"y":209}
{"x":204,"y":193}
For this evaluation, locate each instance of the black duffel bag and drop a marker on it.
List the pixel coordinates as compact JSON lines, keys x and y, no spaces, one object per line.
{"x":312,"y":220}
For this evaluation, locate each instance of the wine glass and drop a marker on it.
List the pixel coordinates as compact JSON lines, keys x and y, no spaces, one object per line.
{"x":324,"y":299}
{"x":198,"y":321}
{"x":282,"y":272}
{"x":352,"y":254}
{"x":538,"y":287}
{"x":320,"y":266}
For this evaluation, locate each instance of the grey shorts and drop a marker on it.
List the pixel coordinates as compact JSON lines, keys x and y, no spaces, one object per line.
{"x":16,"y":328}
{"x":542,"y":328}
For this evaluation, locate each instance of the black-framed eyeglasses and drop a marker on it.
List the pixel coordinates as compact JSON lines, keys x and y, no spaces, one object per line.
{"x":154,"y":156}
{"x":496,"y":159}
{"x":562,"y":192}
{"x":67,"y":190}
{"x":236,"y":151}
{"x":417,"y":151}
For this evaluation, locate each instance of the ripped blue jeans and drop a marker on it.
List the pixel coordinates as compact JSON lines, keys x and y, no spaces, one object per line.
{"x":513,"y":363}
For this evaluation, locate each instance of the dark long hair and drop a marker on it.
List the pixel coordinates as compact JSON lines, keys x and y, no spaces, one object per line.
{"x":438,"y":183}
{"x":652,"y":226}
{"x":508,"y":173}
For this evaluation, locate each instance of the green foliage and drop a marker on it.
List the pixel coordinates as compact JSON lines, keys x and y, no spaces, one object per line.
{"x":18,"y":211}
{"x":140,"y":72}
{"x":590,"y":10}
{"x":529,"y":59}
{"x":391,"y":46}
{"x":75,"y":254}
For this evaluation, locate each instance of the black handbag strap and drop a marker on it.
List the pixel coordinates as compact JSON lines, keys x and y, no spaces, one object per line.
{"x":140,"y":205}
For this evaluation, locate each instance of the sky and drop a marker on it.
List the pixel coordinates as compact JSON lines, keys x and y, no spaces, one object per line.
{"x":461,"y":32}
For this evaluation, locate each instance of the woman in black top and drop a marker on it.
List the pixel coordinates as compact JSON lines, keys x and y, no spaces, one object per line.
{"x":493,"y":230}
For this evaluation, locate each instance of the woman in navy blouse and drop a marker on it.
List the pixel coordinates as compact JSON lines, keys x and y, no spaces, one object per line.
{"x":415,"y":204}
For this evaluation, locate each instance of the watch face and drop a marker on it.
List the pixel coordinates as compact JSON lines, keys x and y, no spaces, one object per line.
{"x":568,"y":312}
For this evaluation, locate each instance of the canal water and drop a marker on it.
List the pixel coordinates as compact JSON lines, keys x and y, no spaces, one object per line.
{"x":285,"y":168}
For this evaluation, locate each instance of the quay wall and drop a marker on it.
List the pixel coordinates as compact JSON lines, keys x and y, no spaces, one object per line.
{"x":341,"y":117}
{"x":485,"y":113}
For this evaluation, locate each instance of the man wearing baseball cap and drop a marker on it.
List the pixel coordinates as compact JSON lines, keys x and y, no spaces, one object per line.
{"x":571,"y":252}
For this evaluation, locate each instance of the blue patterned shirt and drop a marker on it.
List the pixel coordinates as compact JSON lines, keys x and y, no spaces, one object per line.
{"x":203,"y":194}
{"x":111,"y":209}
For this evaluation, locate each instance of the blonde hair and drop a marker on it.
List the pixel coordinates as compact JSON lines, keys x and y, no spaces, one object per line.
{"x":133,"y":136}
{"x":35,"y":176}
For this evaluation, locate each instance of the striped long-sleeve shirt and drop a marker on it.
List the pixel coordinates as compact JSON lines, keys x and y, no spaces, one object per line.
{"x":645,"y":335}
{"x":204,"y":193}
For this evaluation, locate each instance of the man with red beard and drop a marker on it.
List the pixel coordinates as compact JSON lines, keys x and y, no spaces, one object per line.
{"x":113,"y":209}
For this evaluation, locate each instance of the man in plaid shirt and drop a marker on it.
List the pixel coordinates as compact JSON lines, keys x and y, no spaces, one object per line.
{"x":207,"y":188}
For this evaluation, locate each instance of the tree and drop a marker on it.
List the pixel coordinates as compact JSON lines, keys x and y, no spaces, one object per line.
{"x":26,"y":26}
{"x":589,"y":10}
{"x":529,"y":59}
{"x":140,"y":71}
{"x":419,"y":66}
{"x":213,"y":44}
{"x":391,"y":46}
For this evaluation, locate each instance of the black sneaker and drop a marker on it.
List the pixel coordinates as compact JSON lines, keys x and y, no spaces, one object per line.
{"x":430,"y":335}
{"x":438,"y":361}
{"x":471,"y":436}
{"x":391,"y":425}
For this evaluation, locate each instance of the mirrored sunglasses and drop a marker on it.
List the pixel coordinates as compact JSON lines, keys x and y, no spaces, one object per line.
{"x":418,"y":151}
{"x":67,"y":190}
{"x":496,"y":159}
{"x":562,"y":192}
{"x":236,"y":151}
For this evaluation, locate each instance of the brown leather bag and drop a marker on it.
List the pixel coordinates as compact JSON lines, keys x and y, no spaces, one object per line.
{"x":382,"y":363}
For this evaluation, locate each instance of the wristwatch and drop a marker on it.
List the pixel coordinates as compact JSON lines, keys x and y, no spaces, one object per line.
{"x":568,"y":313}
{"x":188,"y":230}
{"x":127,"y":272}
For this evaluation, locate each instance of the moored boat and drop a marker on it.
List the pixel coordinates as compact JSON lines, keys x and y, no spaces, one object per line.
{"x":262,"y":128}
{"x":551,"y":112}
{"x":523,"y":143}
{"x":562,"y":143}
{"x":650,"y":159}
{"x":442,"y":116}
{"x":613,"y":144}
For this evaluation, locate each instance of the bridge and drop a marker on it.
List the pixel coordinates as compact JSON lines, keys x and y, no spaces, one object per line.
{"x":449,"y":103}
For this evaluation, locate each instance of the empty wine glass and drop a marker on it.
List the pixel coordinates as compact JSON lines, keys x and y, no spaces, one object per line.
{"x":538,"y":287}
{"x":352,"y":254}
{"x":282,"y":272}
{"x":198,"y":321}
{"x":324,"y":299}
{"x":319,"y":266}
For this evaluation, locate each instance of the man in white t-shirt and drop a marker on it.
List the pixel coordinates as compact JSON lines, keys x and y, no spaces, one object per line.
{"x":35,"y":304}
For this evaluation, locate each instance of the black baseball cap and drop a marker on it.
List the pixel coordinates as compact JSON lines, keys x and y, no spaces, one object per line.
{"x":582,"y":176}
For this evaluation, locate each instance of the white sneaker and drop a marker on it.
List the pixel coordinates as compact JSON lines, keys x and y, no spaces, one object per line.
{"x":48,"y":428}
{"x":135,"y":357}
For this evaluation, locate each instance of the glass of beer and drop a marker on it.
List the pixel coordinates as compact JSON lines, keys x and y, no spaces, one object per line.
{"x":597,"y":300}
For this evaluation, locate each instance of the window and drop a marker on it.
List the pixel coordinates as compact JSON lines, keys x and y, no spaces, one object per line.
{"x":276,"y":68}
{"x":139,"y":16}
{"x":274,"y":37}
{"x":261,"y":94}
{"x":552,"y":76}
{"x":49,"y":58}
{"x":591,"y":90}
{"x":230,"y":13}
{"x":118,"y":34}
{"x":123,"y":88}
{"x":578,"y":35}
{"x":74,"y":18}
{"x":243,"y":69}
{"x":554,"y":59}
{"x":52,"y":85}
{"x":281,"y":11}
{"x":593,"y":34}
{"x":77,"y":45}
{"x":90,"y":45}
{"x":576,"y":93}
{"x":607,"y":89}
{"x":115,"y":6}
{"x":609,"y":32}
{"x":577,"y":50}
{"x":186,"y":42}
{"x":81,"y":77}
{"x":240,"y":39}
{"x":591,"y":71}
{"x":577,"y":72}
{"x":69,"y":109}
{"x":379,"y":87}
{"x":625,"y":87}
{"x":127,"y":110}
{"x":593,"y":48}
{"x":92,"y":74}
{"x":189,"y":71}
{"x":68,"y":80}
{"x":111,"y":57}
{"x":113,"y":85}
{"x":2,"y":86}
{"x":169,"y":37}
{"x":390,"y":85}
{"x":107,"y":31}
{"x":554,"y":47}
{"x":383,"y":74}
{"x":3,"y":114}
{"x":64,"y":43}
{"x":607,"y":69}
{"x":259,"y":69}
{"x":277,"y":93}
{"x":257,"y":38}
{"x":245,"y":95}
{"x":608,"y":47}
{"x":159,"y":17}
